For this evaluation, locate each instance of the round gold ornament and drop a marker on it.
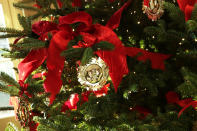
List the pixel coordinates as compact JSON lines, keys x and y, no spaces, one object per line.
{"x":94,"y":75}
{"x":153,"y":9}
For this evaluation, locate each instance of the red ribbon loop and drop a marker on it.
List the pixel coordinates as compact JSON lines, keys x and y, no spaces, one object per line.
{"x":173,"y":98}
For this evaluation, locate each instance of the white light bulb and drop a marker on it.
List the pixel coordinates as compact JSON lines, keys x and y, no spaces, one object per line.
{"x":138,"y":22}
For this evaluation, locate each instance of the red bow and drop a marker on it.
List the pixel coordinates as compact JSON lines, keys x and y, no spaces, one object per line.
{"x":92,"y":33}
{"x":187,"y":7}
{"x":173,"y":98}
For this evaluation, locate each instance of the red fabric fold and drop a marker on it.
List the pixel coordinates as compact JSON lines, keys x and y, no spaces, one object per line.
{"x":55,"y":62}
{"x":31,"y":62}
{"x":157,"y":59}
{"x":143,"y":111}
{"x":71,"y":103}
{"x":75,"y":17}
{"x":187,"y":7}
{"x":76,"y":3}
{"x":173,"y":98}
{"x":114,"y":21}
{"x":42,"y":27}
{"x":60,"y":4}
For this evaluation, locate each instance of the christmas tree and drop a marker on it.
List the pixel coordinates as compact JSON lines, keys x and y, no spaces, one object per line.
{"x":105,"y":65}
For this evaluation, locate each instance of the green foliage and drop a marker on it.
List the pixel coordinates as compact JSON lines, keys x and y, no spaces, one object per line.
{"x":8,"y":84}
{"x":188,"y":88}
{"x":25,"y":22}
{"x":30,"y":43}
{"x":73,"y":53}
{"x":87,"y":55}
{"x":11,"y":127}
{"x":103,"y":45}
{"x":142,"y":86}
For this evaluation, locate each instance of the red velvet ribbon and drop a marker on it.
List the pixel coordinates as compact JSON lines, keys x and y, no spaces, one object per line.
{"x":37,"y":4}
{"x":23,"y":89}
{"x":76,"y":3}
{"x":60,"y":4}
{"x":173,"y":98}
{"x":39,"y":75}
{"x":187,"y":7}
{"x":146,"y":3}
{"x":143,"y":111}
{"x":91,"y":33}
{"x":71,"y":103}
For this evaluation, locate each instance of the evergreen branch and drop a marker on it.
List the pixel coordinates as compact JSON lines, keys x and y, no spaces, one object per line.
{"x":45,"y":124}
{"x":103,"y":45}
{"x":12,"y":90}
{"x":6,"y":108}
{"x":87,"y":55}
{"x":25,"y":22}
{"x":29,"y":46}
{"x":11,"y":30}
{"x":15,"y":55}
{"x":73,"y":53}
{"x":8,"y":79}
{"x":21,"y":6}
{"x":10,"y":35}
{"x":194,"y":13}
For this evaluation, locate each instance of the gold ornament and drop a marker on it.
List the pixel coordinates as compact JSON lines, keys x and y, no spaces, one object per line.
{"x":23,"y":113}
{"x":154,"y":9}
{"x":94,"y":75}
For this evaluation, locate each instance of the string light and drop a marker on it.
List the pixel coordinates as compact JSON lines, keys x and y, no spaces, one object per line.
{"x":118,"y":3}
{"x":102,"y":20}
{"x":134,"y":12}
{"x":153,"y":37}
{"x":73,"y":30}
{"x":183,"y":39}
{"x":112,"y":7}
{"x":127,"y":30}
{"x":195,"y":39}
{"x":138,"y":22}
{"x":180,"y":43}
